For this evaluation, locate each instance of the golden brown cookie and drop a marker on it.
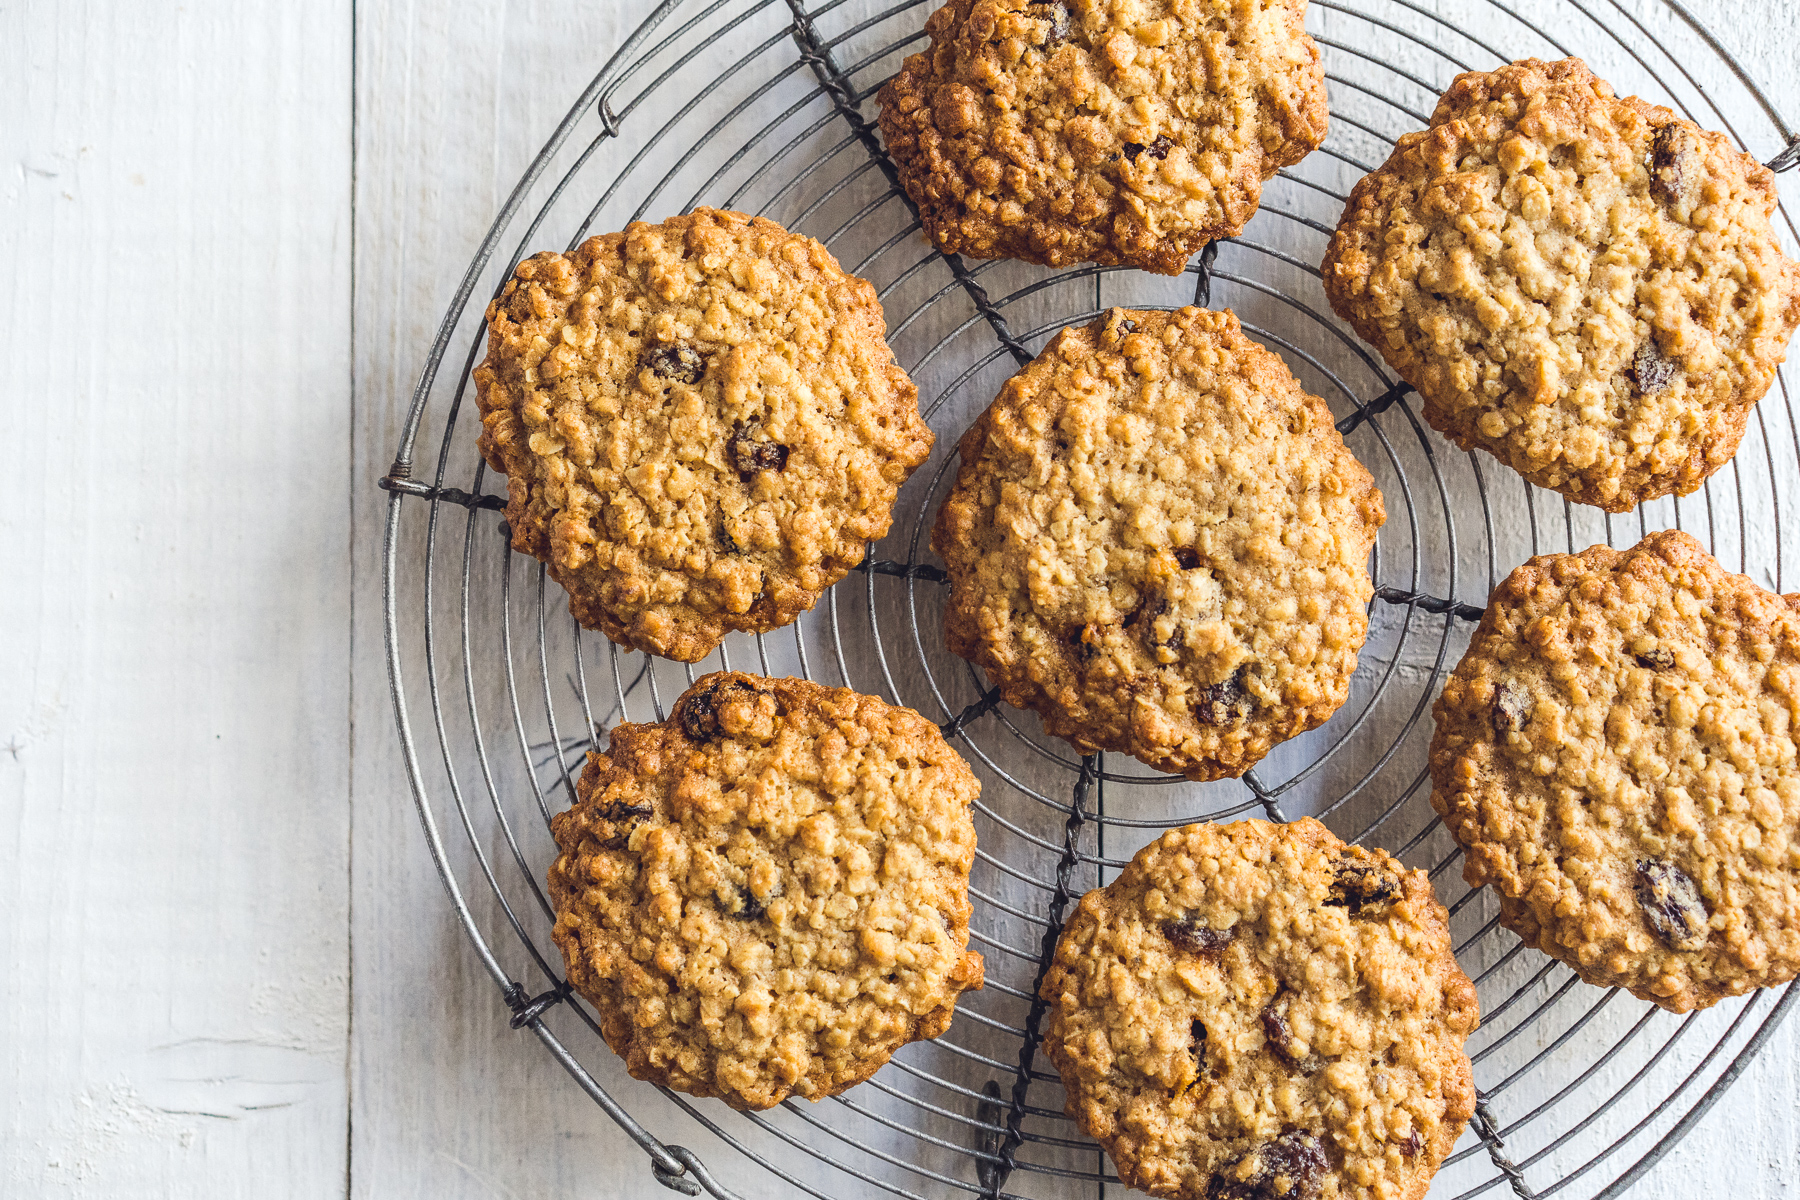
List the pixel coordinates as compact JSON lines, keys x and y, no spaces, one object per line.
{"x":766,"y":894}
{"x":700,"y":424}
{"x":1260,"y":1012}
{"x":1085,"y":131}
{"x":1159,"y":543}
{"x":1616,"y":755}
{"x":1585,"y":287}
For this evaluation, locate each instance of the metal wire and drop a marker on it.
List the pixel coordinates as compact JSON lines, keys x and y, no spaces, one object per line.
{"x":974,"y":1112}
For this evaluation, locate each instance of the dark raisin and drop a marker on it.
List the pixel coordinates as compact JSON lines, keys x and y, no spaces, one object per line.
{"x":1196,"y":1051}
{"x":1412,"y":1143}
{"x":699,"y":719}
{"x":1280,"y":1032}
{"x":751,"y":452}
{"x":628,"y":813}
{"x":1670,"y":161}
{"x":1116,"y":325}
{"x":1671,"y":904}
{"x":699,"y":712}
{"x":1056,"y":16}
{"x":744,"y":906}
{"x":681,"y":364}
{"x":1292,"y":1167}
{"x":1147,"y":612}
{"x":1512,"y":708}
{"x":1224,"y":703}
{"x":1359,"y":884}
{"x":1187,"y":559}
{"x":1659,"y":659}
{"x":1191,"y":937}
{"x":1650,"y":371}
{"x":1158,"y":149}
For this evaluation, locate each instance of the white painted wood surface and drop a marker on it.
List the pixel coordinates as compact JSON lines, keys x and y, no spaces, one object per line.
{"x":229,"y":966}
{"x":175,"y":594}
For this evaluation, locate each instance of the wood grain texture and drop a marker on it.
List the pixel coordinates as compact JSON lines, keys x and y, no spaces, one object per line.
{"x":174,"y":671}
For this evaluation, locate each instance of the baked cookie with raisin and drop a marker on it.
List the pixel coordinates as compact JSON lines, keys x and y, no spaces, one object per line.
{"x":700,"y":423}
{"x":766,"y":895}
{"x":1616,"y":754}
{"x":1585,"y":287}
{"x":1159,"y":543}
{"x":1065,"y":131}
{"x":1257,"y":1011}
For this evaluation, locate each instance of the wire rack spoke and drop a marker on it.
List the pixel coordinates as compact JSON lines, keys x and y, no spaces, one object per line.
{"x":817,"y":55}
{"x":1430,"y":604}
{"x":1496,"y":1149}
{"x":923,"y":571}
{"x":1054,"y":916}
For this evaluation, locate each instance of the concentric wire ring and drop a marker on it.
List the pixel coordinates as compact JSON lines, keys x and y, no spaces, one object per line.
{"x":770,"y":106}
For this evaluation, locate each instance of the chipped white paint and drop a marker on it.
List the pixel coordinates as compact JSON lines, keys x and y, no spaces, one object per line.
{"x":191,"y":708}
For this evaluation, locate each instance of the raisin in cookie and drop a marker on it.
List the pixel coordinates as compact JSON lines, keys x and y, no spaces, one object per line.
{"x":700,"y":424}
{"x":1616,"y":755}
{"x":766,"y":894}
{"x":1160,"y":543}
{"x":1585,"y":287}
{"x":1260,"y":1012}
{"x":1079,"y":131}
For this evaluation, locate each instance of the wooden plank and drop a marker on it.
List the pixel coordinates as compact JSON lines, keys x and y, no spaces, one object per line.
{"x":174,"y":216}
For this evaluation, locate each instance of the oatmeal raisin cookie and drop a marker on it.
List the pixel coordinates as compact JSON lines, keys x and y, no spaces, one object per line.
{"x":1108,"y":131}
{"x":1616,"y":753}
{"x":1160,"y":543}
{"x":1260,"y":1012}
{"x":766,"y":894}
{"x":1585,"y":287}
{"x":700,"y":423}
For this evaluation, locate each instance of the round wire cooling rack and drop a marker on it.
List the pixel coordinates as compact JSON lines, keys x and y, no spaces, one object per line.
{"x":766,"y":106}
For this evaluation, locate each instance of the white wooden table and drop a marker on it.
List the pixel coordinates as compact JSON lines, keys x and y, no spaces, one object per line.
{"x":230,"y":230}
